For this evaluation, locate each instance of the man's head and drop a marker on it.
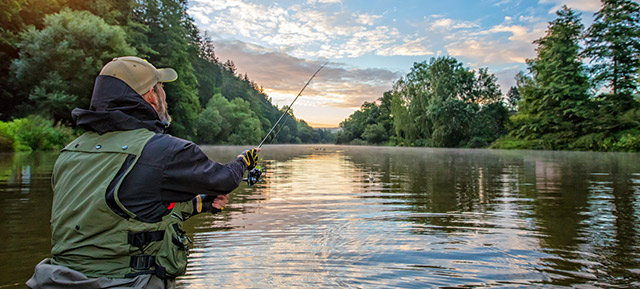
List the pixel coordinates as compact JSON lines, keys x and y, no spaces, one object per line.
{"x":145,"y":79}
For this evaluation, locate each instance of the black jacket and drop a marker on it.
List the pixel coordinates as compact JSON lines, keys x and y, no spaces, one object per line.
{"x":169,"y":169}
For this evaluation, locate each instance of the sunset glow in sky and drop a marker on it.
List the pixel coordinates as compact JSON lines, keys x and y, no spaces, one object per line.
{"x":369,"y":44}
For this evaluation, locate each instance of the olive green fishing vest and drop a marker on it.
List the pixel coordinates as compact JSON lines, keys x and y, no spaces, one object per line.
{"x":91,"y":238}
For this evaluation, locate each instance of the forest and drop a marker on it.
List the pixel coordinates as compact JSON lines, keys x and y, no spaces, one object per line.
{"x":51,"y":51}
{"x":580,"y":93}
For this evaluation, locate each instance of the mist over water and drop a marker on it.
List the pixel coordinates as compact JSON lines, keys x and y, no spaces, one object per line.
{"x":363,"y":217}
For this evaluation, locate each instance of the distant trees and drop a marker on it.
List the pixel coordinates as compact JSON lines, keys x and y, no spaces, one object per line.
{"x":51,"y":51}
{"x":567,"y":105}
{"x":439,"y":103}
{"x":445,"y":104}
{"x":372,"y":124}
{"x":561,"y":103}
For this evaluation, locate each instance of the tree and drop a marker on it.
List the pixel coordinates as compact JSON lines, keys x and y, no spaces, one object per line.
{"x":438,"y":103}
{"x":165,"y":31}
{"x":305,"y":132}
{"x":371,"y":124}
{"x":54,"y":62}
{"x":228,"y":122}
{"x":15,"y":17}
{"x":513,"y":98}
{"x":613,"y":43}
{"x":555,"y":101}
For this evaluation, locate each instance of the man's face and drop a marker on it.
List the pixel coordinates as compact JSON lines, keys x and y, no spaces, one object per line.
{"x":162,"y":101}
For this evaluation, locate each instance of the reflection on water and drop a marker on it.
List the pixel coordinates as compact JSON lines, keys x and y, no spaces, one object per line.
{"x":25,"y":209}
{"x":334,"y":216}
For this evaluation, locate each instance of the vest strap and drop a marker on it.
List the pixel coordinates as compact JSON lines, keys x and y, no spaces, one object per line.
{"x":143,"y":263}
{"x":140,"y":239}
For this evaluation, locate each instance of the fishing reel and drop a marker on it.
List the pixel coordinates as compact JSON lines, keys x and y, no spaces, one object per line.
{"x":254,"y":176}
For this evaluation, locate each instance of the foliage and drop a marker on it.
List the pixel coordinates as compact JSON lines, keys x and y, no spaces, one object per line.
{"x":64,"y":43}
{"x":441,"y":103}
{"x":513,"y":98}
{"x":613,"y":43}
{"x":228,"y":122}
{"x":165,"y":26}
{"x":372,"y":124}
{"x":54,"y":62}
{"x":6,"y":141}
{"x":554,"y":106}
{"x":556,"y":110}
{"x":323,"y":136}
{"x":34,"y":133}
{"x":555,"y":102}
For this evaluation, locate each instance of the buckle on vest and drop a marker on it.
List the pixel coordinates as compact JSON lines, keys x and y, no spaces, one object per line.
{"x":142,"y":262}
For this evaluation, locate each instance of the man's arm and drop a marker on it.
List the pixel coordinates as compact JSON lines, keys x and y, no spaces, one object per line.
{"x":189,"y":171}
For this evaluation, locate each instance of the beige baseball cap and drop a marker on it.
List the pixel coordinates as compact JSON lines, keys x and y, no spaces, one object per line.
{"x":138,"y":73}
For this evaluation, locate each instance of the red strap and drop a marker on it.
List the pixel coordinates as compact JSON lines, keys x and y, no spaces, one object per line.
{"x":171,"y":206}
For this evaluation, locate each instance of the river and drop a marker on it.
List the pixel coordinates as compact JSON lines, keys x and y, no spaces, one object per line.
{"x":368,"y":217}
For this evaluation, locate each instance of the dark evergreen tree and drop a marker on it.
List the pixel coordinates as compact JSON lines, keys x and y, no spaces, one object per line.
{"x":513,"y":98}
{"x":613,"y":44}
{"x":555,"y":101}
{"x":169,"y":31}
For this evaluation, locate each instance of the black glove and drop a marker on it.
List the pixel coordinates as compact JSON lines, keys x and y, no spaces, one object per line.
{"x":202,"y":204}
{"x":250,"y":157}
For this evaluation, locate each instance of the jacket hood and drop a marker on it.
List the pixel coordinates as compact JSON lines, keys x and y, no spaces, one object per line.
{"x":114,"y":107}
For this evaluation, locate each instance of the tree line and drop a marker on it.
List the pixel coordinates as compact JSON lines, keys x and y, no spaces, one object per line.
{"x":580,"y":93}
{"x":51,"y":51}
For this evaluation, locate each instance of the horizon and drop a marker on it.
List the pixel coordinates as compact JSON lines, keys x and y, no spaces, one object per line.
{"x":369,"y":45}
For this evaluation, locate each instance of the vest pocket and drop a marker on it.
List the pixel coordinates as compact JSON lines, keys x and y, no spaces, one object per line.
{"x":174,"y":251}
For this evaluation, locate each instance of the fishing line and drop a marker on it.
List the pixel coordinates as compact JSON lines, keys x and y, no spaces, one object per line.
{"x":255,"y":175}
{"x":285,"y":112}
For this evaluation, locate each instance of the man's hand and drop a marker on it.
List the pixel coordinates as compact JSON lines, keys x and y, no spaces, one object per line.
{"x":250,"y":157}
{"x":209,"y":204}
{"x":220,"y":201}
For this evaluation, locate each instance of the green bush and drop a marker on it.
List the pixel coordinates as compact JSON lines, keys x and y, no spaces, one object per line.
{"x":6,"y":142}
{"x":358,"y":142}
{"x":512,"y":143}
{"x":629,"y":141}
{"x":35,"y":133}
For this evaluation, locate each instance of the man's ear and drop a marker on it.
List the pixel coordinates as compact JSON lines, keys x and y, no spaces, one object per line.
{"x":152,"y":98}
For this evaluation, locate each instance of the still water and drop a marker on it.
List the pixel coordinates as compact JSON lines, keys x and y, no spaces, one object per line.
{"x":371,"y":217}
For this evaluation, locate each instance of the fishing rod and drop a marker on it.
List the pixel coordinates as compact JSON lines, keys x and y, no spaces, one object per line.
{"x":255,"y":174}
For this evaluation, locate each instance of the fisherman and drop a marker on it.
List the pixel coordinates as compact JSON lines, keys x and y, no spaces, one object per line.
{"x":123,"y":189}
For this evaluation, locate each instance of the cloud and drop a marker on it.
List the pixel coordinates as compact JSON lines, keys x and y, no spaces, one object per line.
{"x":283,"y":75}
{"x":324,"y":1}
{"x":306,"y":30}
{"x":450,"y":24}
{"x":582,"y":5}
{"x":502,"y":2}
{"x":367,"y":19}
{"x":415,"y":47}
{"x":490,"y":47}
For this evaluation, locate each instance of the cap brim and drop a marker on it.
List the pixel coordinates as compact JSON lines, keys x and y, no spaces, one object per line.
{"x":167,"y":74}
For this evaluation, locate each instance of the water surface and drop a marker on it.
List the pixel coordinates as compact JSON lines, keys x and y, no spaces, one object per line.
{"x":363,"y":217}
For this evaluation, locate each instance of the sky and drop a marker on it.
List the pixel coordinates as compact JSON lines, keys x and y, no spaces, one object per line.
{"x":369,"y":45}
